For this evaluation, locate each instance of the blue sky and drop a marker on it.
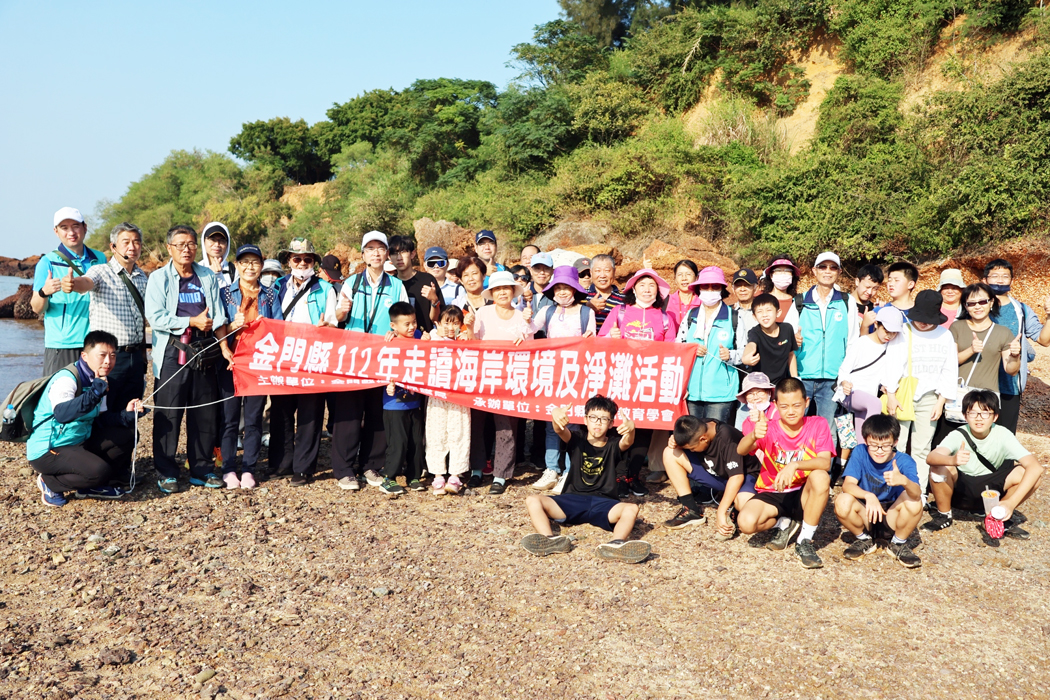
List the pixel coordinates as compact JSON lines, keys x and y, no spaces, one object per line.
{"x":95,"y":94}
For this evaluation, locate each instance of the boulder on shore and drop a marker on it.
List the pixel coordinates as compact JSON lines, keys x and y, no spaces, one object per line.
{"x":13,"y":267}
{"x":17,"y":305}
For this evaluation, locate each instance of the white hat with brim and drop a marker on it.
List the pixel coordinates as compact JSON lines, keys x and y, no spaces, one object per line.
{"x":953,"y":277}
{"x":374,"y":236}
{"x":68,"y":213}
{"x":502,"y":279}
{"x":828,"y":256}
{"x":891,"y":318}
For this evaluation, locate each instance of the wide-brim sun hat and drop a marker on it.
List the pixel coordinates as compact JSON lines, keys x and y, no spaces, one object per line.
{"x":298,"y":246}
{"x":782,"y":262}
{"x":927,"y":308}
{"x":661,"y":284}
{"x":953,"y":277}
{"x":755,"y":380}
{"x":502,"y":279}
{"x":710,"y":275}
{"x":564,"y":274}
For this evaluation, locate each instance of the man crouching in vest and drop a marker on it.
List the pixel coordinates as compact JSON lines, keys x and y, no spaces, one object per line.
{"x":72,"y":447}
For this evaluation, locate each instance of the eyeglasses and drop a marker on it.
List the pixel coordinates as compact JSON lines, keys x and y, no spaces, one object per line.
{"x":183,"y":246}
{"x":980,"y":414}
{"x":250,"y":263}
{"x":978,"y":302}
{"x":437,"y":263}
{"x":599,"y":420}
{"x":880,"y":448}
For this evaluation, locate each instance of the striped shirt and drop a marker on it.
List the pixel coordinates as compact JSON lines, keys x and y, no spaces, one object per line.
{"x":113,"y":308}
{"x":614,"y":299}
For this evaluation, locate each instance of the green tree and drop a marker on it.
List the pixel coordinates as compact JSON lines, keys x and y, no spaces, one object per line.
{"x":859,"y":111}
{"x":608,"y":21}
{"x":366,"y":117}
{"x":528,"y":129}
{"x":607,"y":110}
{"x":284,"y":144}
{"x":560,"y":54}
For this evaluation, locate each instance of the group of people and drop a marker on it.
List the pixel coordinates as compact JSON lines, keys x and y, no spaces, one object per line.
{"x":910,"y":402}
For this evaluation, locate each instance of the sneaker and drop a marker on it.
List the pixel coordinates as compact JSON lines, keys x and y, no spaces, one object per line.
{"x":938,"y":521}
{"x":474,"y":482}
{"x":547,"y":481}
{"x":542,"y":545}
{"x":453,"y":485}
{"x":560,"y":486}
{"x":783,"y":537}
{"x":55,"y":499}
{"x":860,"y":547}
{"x":247,"y":480}
{"x":438,"y":486}
{"x":349,"y":483}
{"x":209,"y":481}
{"x":497,"y":489}
{"x":300,"y":479}
{"x":807,"y":554}
{"x":231,"y":480}
{"x":417,"y":485}
{"x":915,"y":539}
{"x":488,"y":467}
{"x":656,"y":478}
{"x":904,"y":555}
{"x":107,"y":493}
{"x":266,"y":440}
{"x":1015,"y":531}
{"x":684,"y":518}
{"x":170,"y":485}
{"x":988,"y":540}
{"x":631,"y":552}
{"x":637,"y":488}
{"x":622,"y":489}
{"x":391,"y":486}
{"x":373,"y":478}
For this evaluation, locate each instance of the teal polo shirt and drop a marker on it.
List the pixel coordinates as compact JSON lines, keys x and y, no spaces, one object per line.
{"x":66,"y":319}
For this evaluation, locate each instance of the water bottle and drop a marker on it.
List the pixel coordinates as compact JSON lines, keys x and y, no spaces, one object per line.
{"x":10,"y":413}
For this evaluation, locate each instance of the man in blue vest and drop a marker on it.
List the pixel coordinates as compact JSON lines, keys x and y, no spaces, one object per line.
{"x":827,"y":323}
{"x":77,"y":445}
{"x":66,"y":320}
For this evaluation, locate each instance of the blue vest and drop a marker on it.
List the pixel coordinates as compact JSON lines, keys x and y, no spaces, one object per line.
{"x":370,"y":312}
{"x":712,"y":380}
{"x":49,"y":433}
{"x":316,"y":298}
{"x":823,"y":340}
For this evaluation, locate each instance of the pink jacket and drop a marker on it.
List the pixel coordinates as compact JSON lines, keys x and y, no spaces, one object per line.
{"x":677,"y":309}
{"x":641,"y":324}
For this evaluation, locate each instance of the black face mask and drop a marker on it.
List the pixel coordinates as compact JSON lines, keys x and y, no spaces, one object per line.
{"x":1000,"y":289}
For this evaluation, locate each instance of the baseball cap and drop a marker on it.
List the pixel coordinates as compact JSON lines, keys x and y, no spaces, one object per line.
{"x":542,"y":259}
{"x":435,"y":252}
{"x":68,"y":213}
{"x":745,"y":275}
{"x":483,"y":234}
{"x":891,"y":318}
{"x":216,"y":228}
{"x":332,"y":267}
{"x":374,"y":236}
{"x":582,"y":264}
{"x":249,"y":248}
{"x":828,"y":256}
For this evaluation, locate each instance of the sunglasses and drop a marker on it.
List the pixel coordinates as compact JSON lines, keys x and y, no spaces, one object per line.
{"x":828,"y":268}
{"x":979,"y":302}
{"x":437,"y":263}
{"x":521,"y":278}
{"x":298,"y":259}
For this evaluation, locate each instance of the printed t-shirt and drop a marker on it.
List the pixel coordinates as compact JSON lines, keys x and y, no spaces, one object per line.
{"x":869,"y":475}
{"x":720,"y":458}
{"x":777,"y":449}
{"x":191,"y":297}
{"x":986,"y":375}
{"x":774,"y":352}
{"x":999,"y":446}
{"x":592,"y":470}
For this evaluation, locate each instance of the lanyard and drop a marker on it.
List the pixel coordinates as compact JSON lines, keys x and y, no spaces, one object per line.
{"x":375,"y":307}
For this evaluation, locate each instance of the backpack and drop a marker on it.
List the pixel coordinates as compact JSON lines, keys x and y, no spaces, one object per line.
{"x":694,"y":313}
{"x":585,"y":315}
{"x":25,"y":398}
{"x":622,"y":309}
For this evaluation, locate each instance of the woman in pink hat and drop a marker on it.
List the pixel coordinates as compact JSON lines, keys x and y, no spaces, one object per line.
{"x":781,"y":280}
{"x":713,"y":382}
{"x":681,"y":301}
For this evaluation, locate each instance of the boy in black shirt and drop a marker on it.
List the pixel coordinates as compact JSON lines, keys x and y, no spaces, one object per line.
{"x":770,"y":345}
{"x":703,"y":452}
{"x":590,"y":493}
{"x":422,"y":288}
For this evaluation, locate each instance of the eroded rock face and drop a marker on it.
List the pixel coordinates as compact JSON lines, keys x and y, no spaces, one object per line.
{"x":456,"y":240}
{"x":13,"y":267}
{"x":17,"y":305}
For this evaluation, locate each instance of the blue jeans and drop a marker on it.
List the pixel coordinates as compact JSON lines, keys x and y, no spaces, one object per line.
{"x":820,"y":392}
{"x":555,"y":447}
{"x":709,"y":409}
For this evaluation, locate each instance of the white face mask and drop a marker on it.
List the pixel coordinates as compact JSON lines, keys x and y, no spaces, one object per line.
{"x":760,"y":407}
{"x":302,"y":275}
{"x":710,"y":297}
{"x":781,"y":280}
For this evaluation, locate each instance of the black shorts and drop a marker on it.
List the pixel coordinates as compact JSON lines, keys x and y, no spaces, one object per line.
{"x":787,"y":503}
{"x":589,"y":510}
{"x":967,"y":493}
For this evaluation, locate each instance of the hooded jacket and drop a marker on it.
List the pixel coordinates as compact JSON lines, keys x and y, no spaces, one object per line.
{"x":229,"y":272}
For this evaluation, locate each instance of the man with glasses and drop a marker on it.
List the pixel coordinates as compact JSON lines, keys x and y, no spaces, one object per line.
{"x":117,"y":291}
{"x":66,"y":315}
{"x":186,"y":314}
{"x":422,"y":287}
{"x":1022,"y":322}
{"x":979,"y":457}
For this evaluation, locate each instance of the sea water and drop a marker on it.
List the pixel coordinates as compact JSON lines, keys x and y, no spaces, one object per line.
{"x":21,"y":343}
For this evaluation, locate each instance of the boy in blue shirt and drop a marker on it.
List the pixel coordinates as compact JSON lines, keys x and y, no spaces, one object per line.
{"x":880,"y":485}
{"x":403,"y":414}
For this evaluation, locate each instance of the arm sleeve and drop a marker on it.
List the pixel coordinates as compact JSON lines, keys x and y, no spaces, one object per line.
{"x":848,"y":362}
{"x":673,"y":325}
{"x":159,"y":316}
{"x":329,"y":308}
{"x":216,"y":307}
{"x":948,"y":384}
{"x":40,"y":274}
{"x":822,"y":441}
{"x":73,"y":408}
{"x":590,"y":322}
{"x":1033,"y":327}
{"x":1013,"y":449}
{"x":951,"y":442}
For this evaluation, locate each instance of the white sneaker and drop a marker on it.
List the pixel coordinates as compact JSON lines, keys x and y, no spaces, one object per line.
{"x":546,"y":481}
{"x":266,"y":440}
{"x":373,"y":478}
{"x":349,"y":483}
{"x":560,"y":486}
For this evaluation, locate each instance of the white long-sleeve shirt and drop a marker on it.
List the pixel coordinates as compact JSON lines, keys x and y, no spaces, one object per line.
{"x":934,"y":361}
{"x":867,"y":368}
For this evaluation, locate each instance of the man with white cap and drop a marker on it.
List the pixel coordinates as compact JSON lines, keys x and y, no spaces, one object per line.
{"x":358,"y":432}
{"x":66,"y":313}
{"x":828,"y":321}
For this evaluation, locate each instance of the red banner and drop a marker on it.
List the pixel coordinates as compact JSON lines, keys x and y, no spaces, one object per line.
{"x":646,"y":379}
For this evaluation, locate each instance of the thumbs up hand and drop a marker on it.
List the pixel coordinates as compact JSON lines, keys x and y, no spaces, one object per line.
{"x":894,"y":477}
{"x":1015,"y":346}
{"x":701,"y":349}
{"x":762,"y":426}
{"x":962,"y":457}
{"x":67,"y":282}
{"x":977,"y":345}
{"x":723,"y":354}
{"x":51,"y":285}
{"x":201,"y":321}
